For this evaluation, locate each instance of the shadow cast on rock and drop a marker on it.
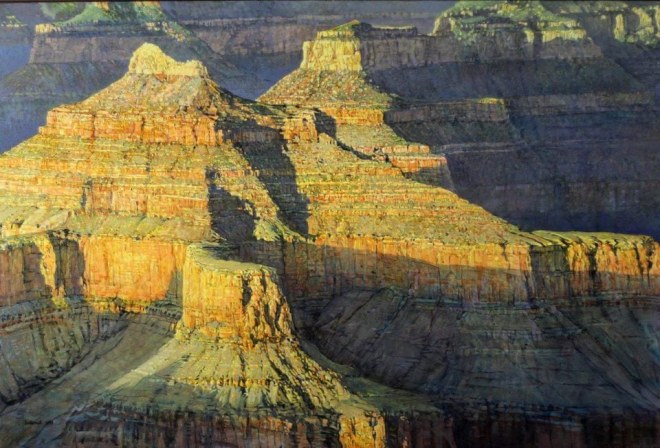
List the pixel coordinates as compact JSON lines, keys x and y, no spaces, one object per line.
{"x":278,"y":175}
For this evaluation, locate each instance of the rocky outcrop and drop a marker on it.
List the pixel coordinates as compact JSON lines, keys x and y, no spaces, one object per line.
{"x":98,"y":244}
{"x":626,"y":32}
{"x":526,"y":29}
{"x":225,"y":378}
{"x":100,"y":34}
{"x":388,"y":56}
{"x":80,"y":49}
{"x":278,"y":178}
{"x":229,"y":300}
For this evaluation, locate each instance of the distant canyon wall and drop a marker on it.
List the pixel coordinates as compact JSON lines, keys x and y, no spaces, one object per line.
{"x":527,"y":124}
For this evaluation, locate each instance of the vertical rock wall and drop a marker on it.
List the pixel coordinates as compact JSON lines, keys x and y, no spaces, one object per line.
{"x":136,"y":271}
{"x":232,"y":300}
{"x":27,"y":269}
{"x":554,"y":266}
{"x":100,"y":267}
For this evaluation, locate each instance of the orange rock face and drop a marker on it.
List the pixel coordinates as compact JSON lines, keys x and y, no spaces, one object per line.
{"x":100,"y":267}
{"x":157,"y":128}
{"x":231,"y":300}
{"x":138,"y":272}
{"x":362,"y":431}
{"x":509,"y":273}
{"x":345,"y":115}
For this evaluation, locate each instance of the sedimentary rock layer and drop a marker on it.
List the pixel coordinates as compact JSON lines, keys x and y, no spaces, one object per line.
{"x":280,"y":188}
{"x":52,"y":265}
{"x":513,"y":97}
{"x":205,"y":345}
{"x":71,"y":60}
{"x":597,"y":347}
{"x":226,"y":380}
{"x":230,"y":300}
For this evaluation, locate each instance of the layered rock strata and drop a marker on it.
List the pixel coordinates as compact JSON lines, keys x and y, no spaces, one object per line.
{"x":238,"y":316}
{"x":258,"y":177}
{"x":102,"y":238}
{"x":41,"y":340}
{"x":71,"y":60}
{"x":625,"y":31}
{"x":79,"y":49}
{"x":126,"y":225}
{"x":271,"y":34}
{"x":512,"y":96}
{"x":599,"y":347}
{"x":215,"y":383}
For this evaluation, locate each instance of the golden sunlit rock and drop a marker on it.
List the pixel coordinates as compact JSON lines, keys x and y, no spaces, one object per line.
{"x":168,"y":251}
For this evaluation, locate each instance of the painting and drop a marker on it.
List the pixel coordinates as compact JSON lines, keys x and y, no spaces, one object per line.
{"x":357,"y":224}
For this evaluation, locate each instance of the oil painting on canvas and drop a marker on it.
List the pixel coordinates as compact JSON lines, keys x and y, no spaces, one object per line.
{"x":358,"y":224}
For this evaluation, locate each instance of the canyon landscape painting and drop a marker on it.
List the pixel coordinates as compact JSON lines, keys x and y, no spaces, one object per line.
{"x":357,"y":224}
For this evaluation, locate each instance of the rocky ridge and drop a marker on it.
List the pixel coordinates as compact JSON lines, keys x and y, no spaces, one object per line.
{"x":72,"y":59}
{"x":78,"y":49}
{"x":471,"y":105}
{"x":125,"y":229}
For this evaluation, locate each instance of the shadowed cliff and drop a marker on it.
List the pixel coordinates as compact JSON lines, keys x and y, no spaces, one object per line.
{"x":525,"y":108}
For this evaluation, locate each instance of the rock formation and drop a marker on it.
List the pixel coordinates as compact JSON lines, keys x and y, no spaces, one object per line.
{"x":183,"y":239}
{"x":80,"y":48}
{"x":266,"y":38}
{"x":278,"y":29}
{"x":627,"y":32}
{"x":74,"y":58}
{"x":509,"y":105}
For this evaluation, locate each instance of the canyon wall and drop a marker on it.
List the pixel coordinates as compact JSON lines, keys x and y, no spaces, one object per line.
{"x":46,"y":266}
{"x":136,"y":272}
{"x":41,"y":341}
{"x":14,"y":42}
{"x":281,"y":27}
{"x":513,"y":97}
{"x":183,"y":242}
{"x":28,"y":269}
{"x":554,"y":267}
{"x":626,"y":32}
{"x":289,"y":195}
{"x":498,"y":349}
{"x":247,"y":365}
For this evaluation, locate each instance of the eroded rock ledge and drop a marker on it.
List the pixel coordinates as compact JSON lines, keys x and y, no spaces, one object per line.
{"x":252,"y":307}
